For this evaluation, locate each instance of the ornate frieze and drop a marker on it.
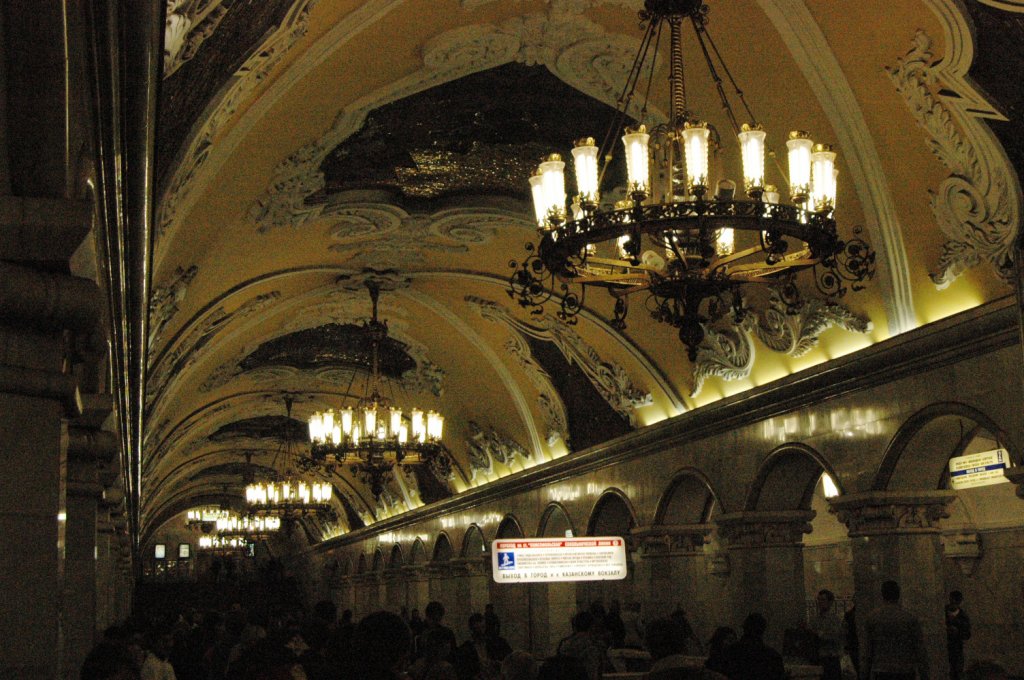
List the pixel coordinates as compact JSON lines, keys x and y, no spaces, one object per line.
{"x":485,"y":446}
{"x":187,"y":25}
{"x":610,"y":379}
{"x":892,"y":512}
{"x":764,"y":529}
{"x":727,"y":351}
{"x":672,"y":540}
{"x":977,"y":207}
{"x":165,"y":301}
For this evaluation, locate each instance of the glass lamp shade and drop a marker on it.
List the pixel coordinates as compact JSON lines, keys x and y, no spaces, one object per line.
{"x":419,"y":428}
{"x":317,"y":431}
{"x":435,"y":425}
{"x":696,"y":142}
{"x":799,"y":146}
{"x":823,"y":178}
{"x":584,"y":160}
{"x":725,"y":242}
{"x":638,"y":169}
{"x":552,"y":173}
{"x":539,"y":209}
{"x":752,"y":145}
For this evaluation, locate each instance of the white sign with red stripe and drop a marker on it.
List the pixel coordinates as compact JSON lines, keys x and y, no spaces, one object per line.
{"x":531,"y":560}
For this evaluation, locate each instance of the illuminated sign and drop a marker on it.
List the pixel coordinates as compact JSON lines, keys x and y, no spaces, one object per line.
{"x":532,"y":560}
{"x":978,"y":469}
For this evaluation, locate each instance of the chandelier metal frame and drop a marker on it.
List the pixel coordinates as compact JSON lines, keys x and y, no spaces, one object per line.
{"x":374,"y":437}
{"x":695,"y":271}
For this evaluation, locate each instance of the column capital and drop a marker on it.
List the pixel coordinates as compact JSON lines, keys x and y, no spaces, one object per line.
{"x":669,"y":540}
{"x":414,"y":572}
{"x":873,"y":513}
{"x":764,"y":529}
{"x":1016,"y":476}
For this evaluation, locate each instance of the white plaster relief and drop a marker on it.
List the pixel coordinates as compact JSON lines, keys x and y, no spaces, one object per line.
{"x":572,"y":47}
{"x":166,"y":300}
{"x":240,"y":88}
{"x":188,"y":24}
{"x":484,"y":446}
{"x":727,"y":350}
{"x":813,"y":55}
{"x":610,"y":379}
{"x":977,"y":207}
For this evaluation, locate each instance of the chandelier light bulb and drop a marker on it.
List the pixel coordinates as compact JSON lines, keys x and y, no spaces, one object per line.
{"x":823,"y":178}
{"x":370,"y":420}
{"x":418,"y":427}
{"x":752,"y":144}
{"x":396,"y":421}
{"x":584,"y":160}
{"x":539,"y":208}
{"x":552,"y":172}
{"x":346,"y":421}
{"x":696,"y":142}
{"x":403,"y":434}
{"x":316,"y":428}
{"x":799,"y":145}
{"x":637,"y":159}
{"x":725,"y":242}
{"x":435,"y":424}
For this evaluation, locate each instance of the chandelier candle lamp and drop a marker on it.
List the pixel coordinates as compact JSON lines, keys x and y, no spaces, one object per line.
{"x":374,"y":435}
{"x":223,"y":544}
{"x":251,"y":527}
{"x":205,"y":518}
{"x":684,"y":241}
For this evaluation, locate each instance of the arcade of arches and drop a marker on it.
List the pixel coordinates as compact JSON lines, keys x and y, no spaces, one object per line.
{"x":195,"y":193}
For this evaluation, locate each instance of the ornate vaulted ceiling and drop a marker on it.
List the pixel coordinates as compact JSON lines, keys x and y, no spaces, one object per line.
{"x":307,"y":146}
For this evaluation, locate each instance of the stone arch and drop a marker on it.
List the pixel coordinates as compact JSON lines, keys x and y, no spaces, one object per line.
{"x":688,"y":499}
{"x":418,"y":553}
{"x":396,"y":559}
{"x":787,"y":478}
{"x":509,"y":528}
{"x":918,"y":454}
{"x":555,"y":521}
{"x":443,"y":550}
{"x":473,"y":542}
{"x":379,"y":561}
{"x":612,"y":515}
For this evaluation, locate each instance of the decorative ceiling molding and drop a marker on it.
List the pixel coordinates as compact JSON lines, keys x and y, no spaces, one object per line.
{"x":811,"y":51}
{"x":978,"y":207}
{"x":387,"y":236}
{"x":1006,"y":5}
{"x":610,"y":380}
{"x":164,"y":302}
{"x":728,"y":349}
{"x":484,"y":446}
{"x":187,"y":25}
{"x":574,"y":48}
{"x":241,"y":87}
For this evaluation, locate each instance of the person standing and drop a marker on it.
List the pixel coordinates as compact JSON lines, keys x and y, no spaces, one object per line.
{"x":830,"y":633}
{"x":893,"y":645}
{"x":958,"y":631}
{"x":750,"y":658}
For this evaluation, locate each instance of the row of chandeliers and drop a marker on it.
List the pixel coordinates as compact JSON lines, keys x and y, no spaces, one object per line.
{"x":223,"y":530}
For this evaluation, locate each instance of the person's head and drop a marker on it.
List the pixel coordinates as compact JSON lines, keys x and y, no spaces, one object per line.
{"x":326,"y":611}
{"x":159,"y":642}
{"x":891,"y":591}
{"x":826,"y":599}
{"x":562,"y":668}
{"x":519,"y":665}
{"x":664,"y":637}
{"x":346,"y":616}
{"x":110,"y":661}
{"x":754,"y":626}
{"x":582,"y":622}
{"x":434,"y":612}
{"x":414,"y":615}
{"x":436,"y":645}
{"x":956,"y":598}
{"x":382,"y":641}
{"x":597,"y":609}
{"x":721,"y":638}
{"x":476,"y":624}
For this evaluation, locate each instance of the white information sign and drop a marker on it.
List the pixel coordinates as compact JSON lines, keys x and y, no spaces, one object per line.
{"x":531,"y":560}
{"x":978,"y":469}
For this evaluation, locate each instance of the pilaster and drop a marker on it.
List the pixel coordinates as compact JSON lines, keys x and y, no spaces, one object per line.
{"x":673,"y":559}
{"x":896,"y":535}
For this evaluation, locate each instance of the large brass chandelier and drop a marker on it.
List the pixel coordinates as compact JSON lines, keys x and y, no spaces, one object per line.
{"x":690,"y":247}
{"x":251,"y":527}
{"x":374,"y":435}
{"x":204,"y":519}
{"x":287,"y":494}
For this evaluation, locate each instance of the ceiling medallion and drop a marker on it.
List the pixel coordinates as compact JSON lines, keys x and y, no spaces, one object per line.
{"x":374,"y":435}
{"x":287,"y":495}
{"x":690,"y":248}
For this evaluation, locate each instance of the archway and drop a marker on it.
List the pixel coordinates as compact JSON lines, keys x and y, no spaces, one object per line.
{"x":612,"y":515}
{"x":394,"y":580}
{"x":555,"y":521}
{"x":551,"y":605}
{"x":441,"y":584}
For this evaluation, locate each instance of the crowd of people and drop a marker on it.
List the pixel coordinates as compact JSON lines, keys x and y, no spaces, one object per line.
{"x":320,"y":645}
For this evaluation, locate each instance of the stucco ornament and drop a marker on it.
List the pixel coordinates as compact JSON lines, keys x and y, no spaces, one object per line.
{"x":727,"y":351}
{"x":571,"y":46}
{"x":892,"y":512}
{"x":978,"y":206}
{"x":484,"y":446}
{"x":188,"y":24}
{"x":165,"y":301}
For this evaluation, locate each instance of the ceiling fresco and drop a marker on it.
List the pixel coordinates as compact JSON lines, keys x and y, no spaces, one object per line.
{"x":306,"y":147}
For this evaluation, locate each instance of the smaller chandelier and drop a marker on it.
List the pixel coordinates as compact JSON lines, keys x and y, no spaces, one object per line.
{"x":204,"y":518}
{"x":223,"y":544}
{"x":374,"y":435}
{"x":248,"y":527}
{"x":288,"y":495}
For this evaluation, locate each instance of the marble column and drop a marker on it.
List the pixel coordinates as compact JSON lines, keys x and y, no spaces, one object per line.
{"x":472,"y":591}
{"x":896,"y":535}
{"x":1016,"y":476}
{"x":765,"y":551}
{"x":672,"y":571}
{"x":80,"y":611}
